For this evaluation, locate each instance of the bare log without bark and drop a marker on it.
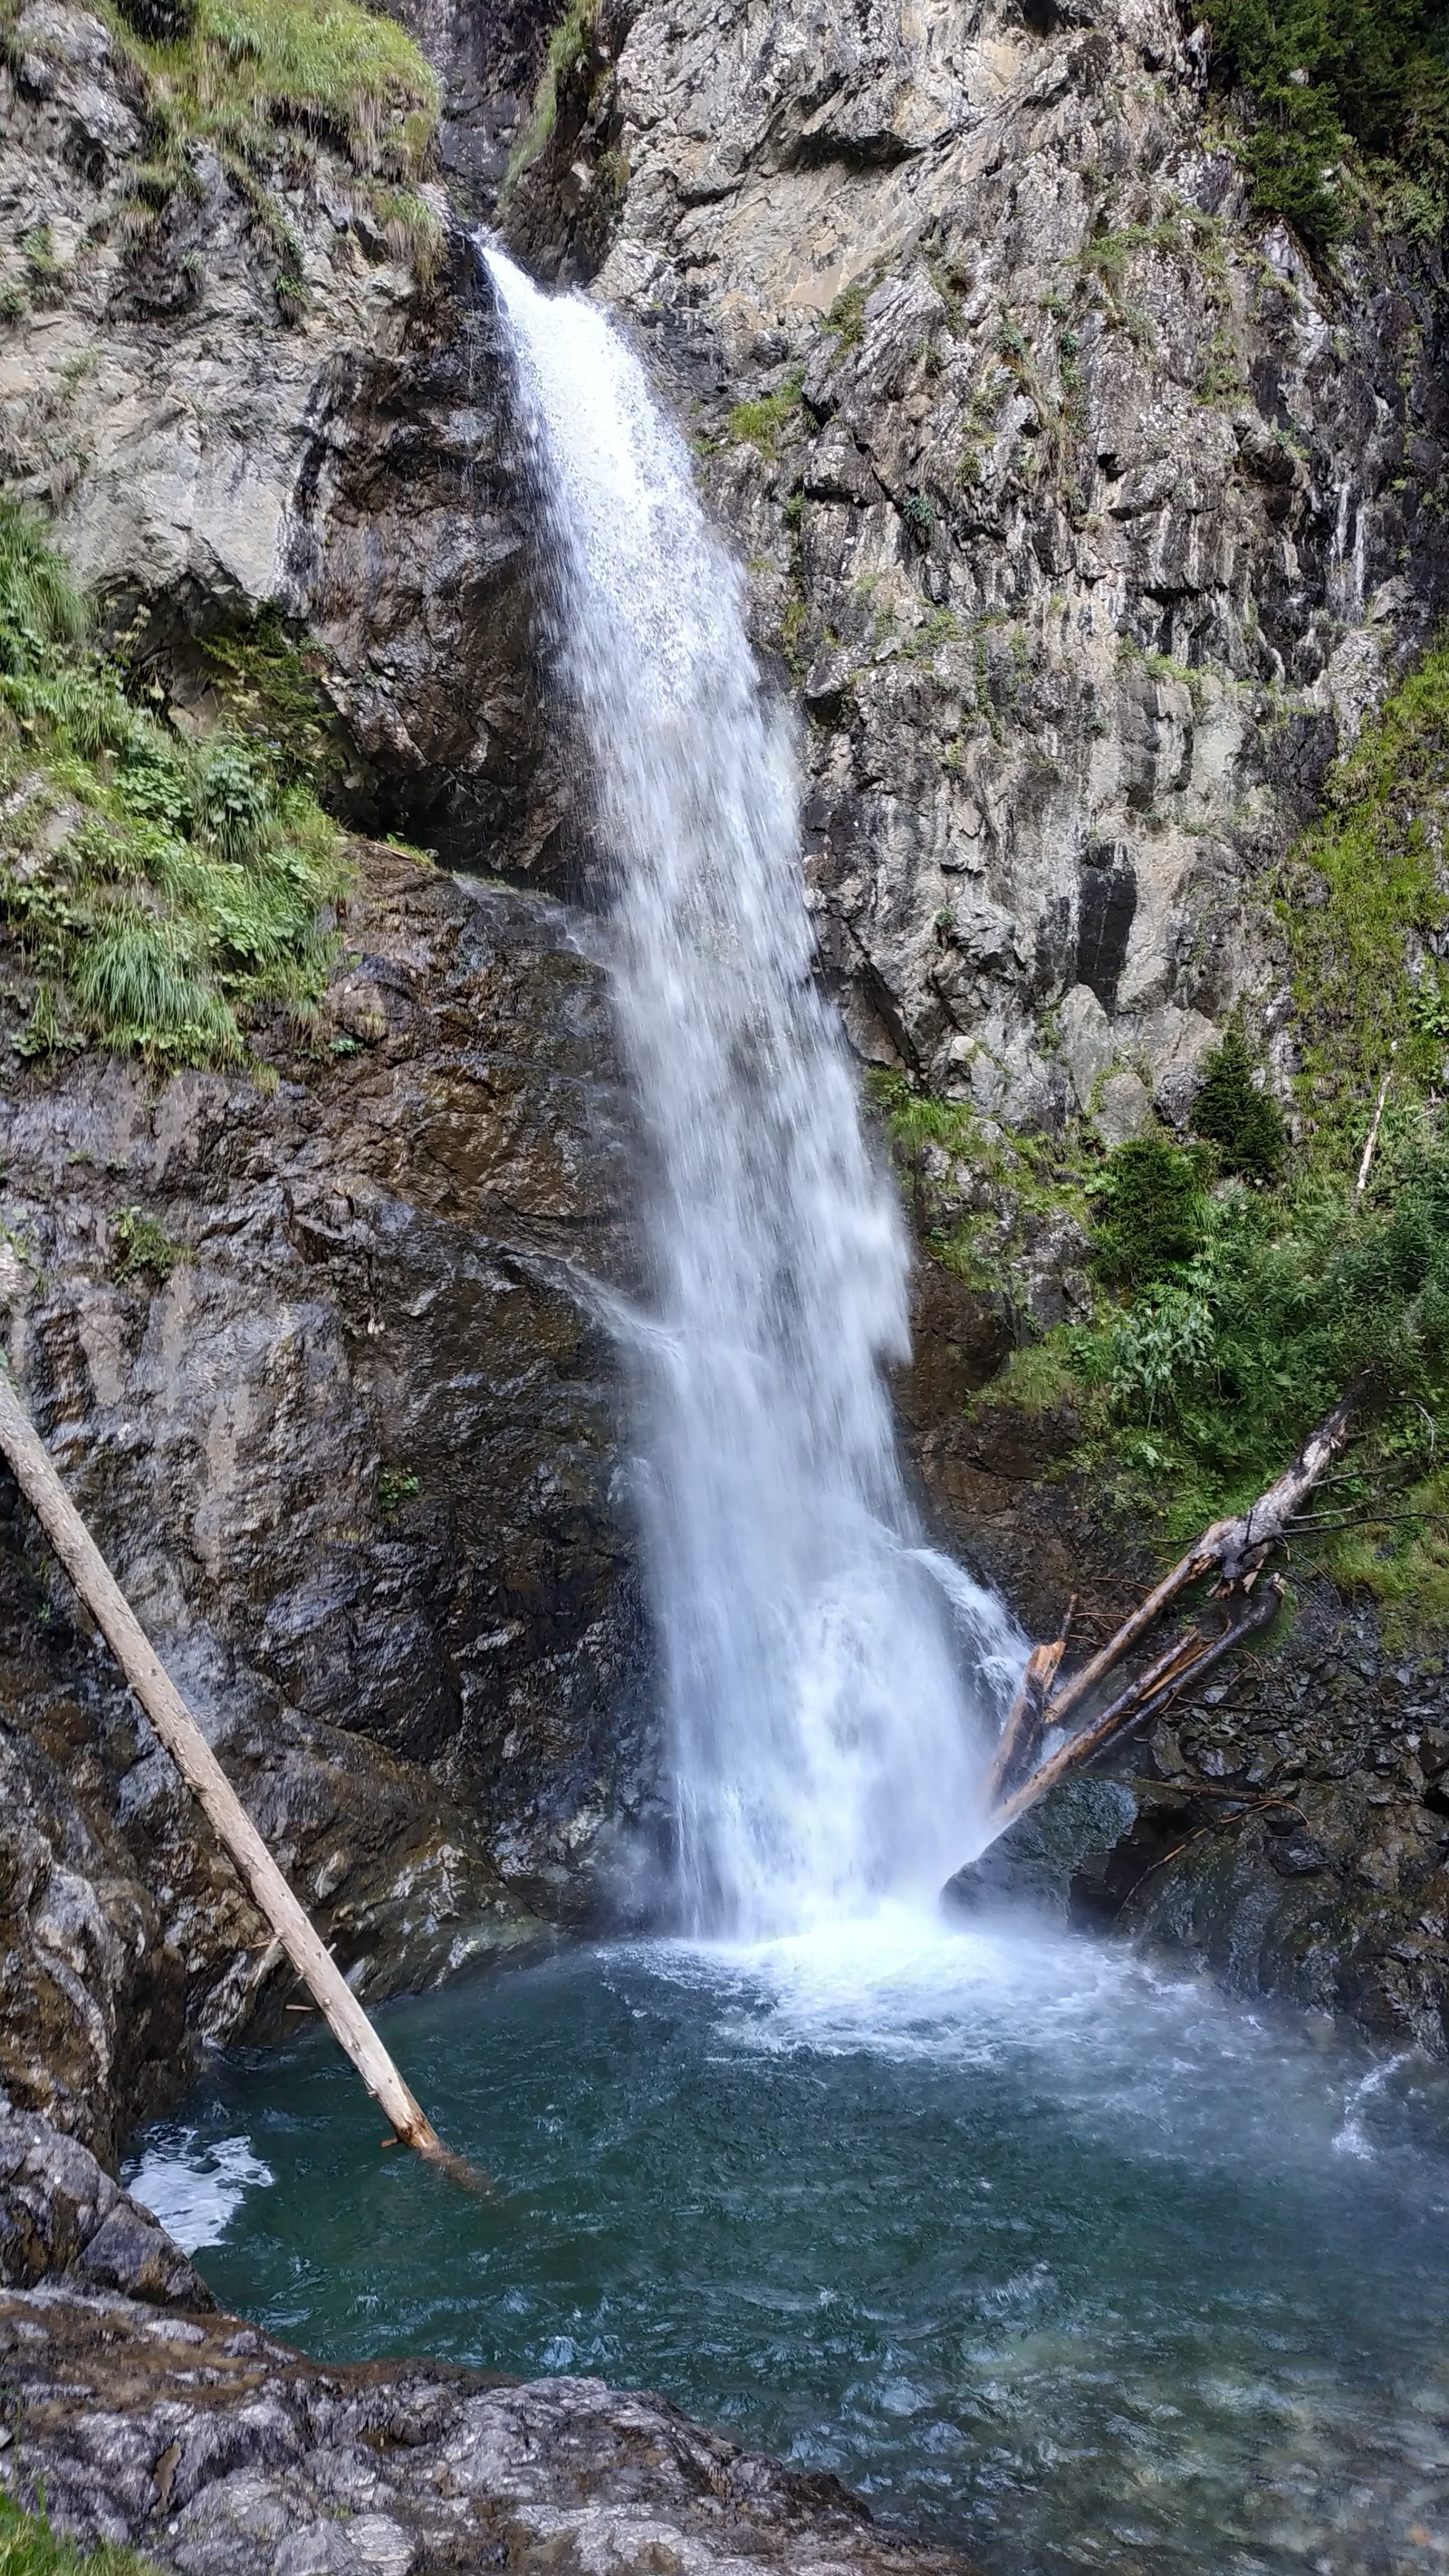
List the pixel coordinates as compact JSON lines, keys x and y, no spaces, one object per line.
{"x":1235,"y":1550}
{"x":204,"y":1777}
{"x":1021,"y":1734}
{"x":1182,"y":1667}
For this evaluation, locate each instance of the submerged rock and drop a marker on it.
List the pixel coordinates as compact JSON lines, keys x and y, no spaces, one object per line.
{"x":220,"y":2452}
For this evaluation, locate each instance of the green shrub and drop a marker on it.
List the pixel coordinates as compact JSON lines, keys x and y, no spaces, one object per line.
{"x":159,"y":892}
{"x":1150,"y":1211}
{"x":142,"y":1244}
{"x":1230,"y":1112}
{"x":1322,"y":78}
{"x":1359,"y":898}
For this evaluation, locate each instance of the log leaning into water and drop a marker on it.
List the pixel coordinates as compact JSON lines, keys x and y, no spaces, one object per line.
{"x":152,"y":1685}
{"x":1236,"y":1551}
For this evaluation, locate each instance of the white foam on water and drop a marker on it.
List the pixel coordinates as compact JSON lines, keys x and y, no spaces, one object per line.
{"x":195,"y":2186}
{"x":830,"y":1686}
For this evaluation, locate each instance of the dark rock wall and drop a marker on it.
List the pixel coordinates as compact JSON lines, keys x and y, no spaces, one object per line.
{"x":354,"y":1461}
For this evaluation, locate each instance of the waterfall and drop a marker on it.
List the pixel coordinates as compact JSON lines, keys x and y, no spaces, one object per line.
{"x":822,"y":1680}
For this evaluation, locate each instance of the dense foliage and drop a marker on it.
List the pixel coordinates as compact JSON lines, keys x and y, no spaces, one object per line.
{"x":1330,"y":84}
{"x":155,"y":892}
{"x":1221,"y":1317}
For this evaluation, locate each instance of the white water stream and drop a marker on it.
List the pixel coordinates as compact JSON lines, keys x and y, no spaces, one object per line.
{"x":826,"y":1675}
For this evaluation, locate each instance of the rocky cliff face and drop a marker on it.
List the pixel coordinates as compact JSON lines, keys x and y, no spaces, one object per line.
{"x":1087,"y":516}
{"x":347,"y":1434}
{"x":343,"y":1413}
{"x":207,"y":450}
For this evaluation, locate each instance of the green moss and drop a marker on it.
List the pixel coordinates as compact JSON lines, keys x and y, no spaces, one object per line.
{"x":159,"y":893}
{"x":568,"y":47}
{"x":395,"y":1486}
{"x":270,"y":689}
{"x":765,"y":423}
{"x":1361,"y":895}
{"x":29,"y":2547}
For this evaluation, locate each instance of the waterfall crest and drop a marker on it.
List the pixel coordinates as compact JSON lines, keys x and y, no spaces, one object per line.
{"x":822,"y":1682}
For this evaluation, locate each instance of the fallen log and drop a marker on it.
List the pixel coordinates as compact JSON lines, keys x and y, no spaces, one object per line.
{"x":178,"y":1731}
{"x":1187,"y":1661}
{"x":1022,"y":1732}
{"x":1235,"y":1551}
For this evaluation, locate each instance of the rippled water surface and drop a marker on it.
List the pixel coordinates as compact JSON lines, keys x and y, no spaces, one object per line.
{"x":1075,"y":2264}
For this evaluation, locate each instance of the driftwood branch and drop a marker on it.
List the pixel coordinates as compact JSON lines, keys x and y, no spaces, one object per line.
{"x":182,"y":1737}
{"x":1235,"y":1551}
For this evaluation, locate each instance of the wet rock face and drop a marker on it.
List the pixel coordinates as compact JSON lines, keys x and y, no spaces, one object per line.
{"x":218,"y":2451}
{"x":1087,"y":519}
{"x":62,"y":2218}
{"x":489,"y":60}
{"x":353,"y":1459}
{"x":206,"y":456}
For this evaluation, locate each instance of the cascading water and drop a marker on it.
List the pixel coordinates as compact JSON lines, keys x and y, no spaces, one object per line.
{"x":826,"y":1738}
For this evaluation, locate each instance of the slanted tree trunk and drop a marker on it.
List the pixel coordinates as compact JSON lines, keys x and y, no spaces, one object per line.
{"x":204,"y":1777}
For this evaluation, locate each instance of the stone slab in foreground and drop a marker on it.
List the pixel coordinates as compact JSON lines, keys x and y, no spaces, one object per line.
{"x":221,"y":2453}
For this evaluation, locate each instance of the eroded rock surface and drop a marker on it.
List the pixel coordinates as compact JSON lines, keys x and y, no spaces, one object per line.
{"x":353,"y":1457}
{"x":61,"y":2216}
{"x":222,"y":2453}
{"x":208,"y":453}
{"x":1087,"y":518}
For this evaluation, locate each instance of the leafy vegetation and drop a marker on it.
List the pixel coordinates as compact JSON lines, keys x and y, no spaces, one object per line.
{"x":29,"y":2547}
{"x":142,"y":1244}
{"x":1363,"y":904}
{"x":568,"y":47}
{"x":1332,"y":86}
{"x":157,"y":892}
{"x":1224,"y":1316}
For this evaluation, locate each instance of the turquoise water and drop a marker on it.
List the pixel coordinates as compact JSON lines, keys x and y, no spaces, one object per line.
{"x":1074,"y":2264}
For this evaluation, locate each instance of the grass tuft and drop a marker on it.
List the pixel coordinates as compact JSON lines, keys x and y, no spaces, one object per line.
{"x":29,"y":2547}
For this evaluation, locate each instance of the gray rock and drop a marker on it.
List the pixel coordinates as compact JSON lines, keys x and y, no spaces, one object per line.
{"x":62,"y":2217}
{"x":353,"y":1460}
{"x":223,"y":2454}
